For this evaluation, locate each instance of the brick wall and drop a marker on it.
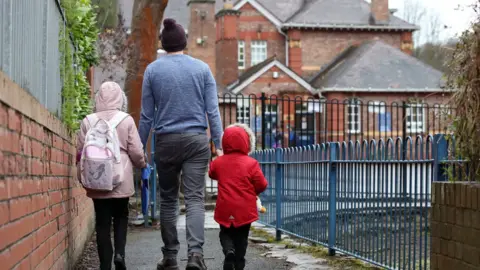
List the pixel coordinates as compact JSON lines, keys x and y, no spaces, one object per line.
{"x":319,"y":48}
{"x":254,"y":26}
{"x":45,"y":217}
{"x":455,"y":226}
{"x":270,"y":86}
{"x":200,"y":28}
{"x":336,"y":116}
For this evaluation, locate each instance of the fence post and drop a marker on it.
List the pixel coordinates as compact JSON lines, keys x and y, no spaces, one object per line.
{"x":278,"y":192}
{"x":440,"y":155}
{"x":264,"y":124}
{"x":332,"y":199}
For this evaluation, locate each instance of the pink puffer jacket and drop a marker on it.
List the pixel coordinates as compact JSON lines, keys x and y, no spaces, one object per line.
{"x":108,"y":101}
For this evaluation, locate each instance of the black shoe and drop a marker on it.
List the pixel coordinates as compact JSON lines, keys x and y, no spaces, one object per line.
{"x":168,"y":264}
{"x":196,"y":262}
{"x":229,"y":263}
{"x":119,"y":262}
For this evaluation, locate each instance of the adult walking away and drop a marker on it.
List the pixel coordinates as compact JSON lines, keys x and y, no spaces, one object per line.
{"x":184,"y":93}
{"x":111,"y":186}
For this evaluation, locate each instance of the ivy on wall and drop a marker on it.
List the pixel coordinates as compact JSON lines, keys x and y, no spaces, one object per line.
{"x":78,"y":49}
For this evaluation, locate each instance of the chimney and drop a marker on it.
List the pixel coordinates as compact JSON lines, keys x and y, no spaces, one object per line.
{"x":227,"y":44}
{"x":201,"y":31}
{"x":295,"y":61}
{"x":380,"y":11}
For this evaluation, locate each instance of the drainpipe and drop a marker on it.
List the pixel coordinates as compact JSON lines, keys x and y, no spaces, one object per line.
{"x":286,"y":45}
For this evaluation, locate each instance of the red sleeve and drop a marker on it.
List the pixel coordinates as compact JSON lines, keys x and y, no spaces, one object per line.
{"x":212,"y":172}
{"x":258,"y":179}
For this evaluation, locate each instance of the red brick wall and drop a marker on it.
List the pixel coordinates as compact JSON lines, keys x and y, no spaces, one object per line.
{"x":254,"y":26}
{"x":455,"y":226}
{"x":227,"y":48}
{"x":199,"y":28}
{"x":270,"y":86}
{"x":319,"y":48}
{"x":45,"y":217}
{"x":336,"y":116}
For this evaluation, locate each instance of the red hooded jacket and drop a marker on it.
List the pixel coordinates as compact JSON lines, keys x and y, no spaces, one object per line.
{"x":239,"y":177}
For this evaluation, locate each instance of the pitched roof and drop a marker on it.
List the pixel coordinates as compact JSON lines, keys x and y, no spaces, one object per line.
{"x":252,"y":70}
{"x":341,"y":14}
{"x":377,"y":65}
{"x":253,"y":73}
{"x":325,"y":14}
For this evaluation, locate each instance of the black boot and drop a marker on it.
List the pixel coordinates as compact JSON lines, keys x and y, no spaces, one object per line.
{"x":119,"y":262}
{"x":229,"y":263}
{"x":196,"y":262}
{"x":167,"y":264}
{"x":240,"y":264}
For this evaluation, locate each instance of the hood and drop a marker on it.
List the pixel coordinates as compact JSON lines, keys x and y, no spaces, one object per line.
{"x":238,"y":138}
{"x":110,"y":97}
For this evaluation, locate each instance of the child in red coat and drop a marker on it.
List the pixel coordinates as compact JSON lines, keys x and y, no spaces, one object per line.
{"x":240,"y":180}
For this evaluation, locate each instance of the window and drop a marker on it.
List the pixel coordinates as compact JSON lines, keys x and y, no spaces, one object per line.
{"x":241,"y":54}
{"x":377,"y":107}
{"x":354,"y":116}
{"x":259,"y":52}
{"x":415,"y":118}
{"x":243,"y":112}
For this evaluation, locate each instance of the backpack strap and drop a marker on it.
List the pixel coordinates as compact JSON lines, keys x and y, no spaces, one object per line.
{"x":117,"y":119}
{"x":92,"y":119}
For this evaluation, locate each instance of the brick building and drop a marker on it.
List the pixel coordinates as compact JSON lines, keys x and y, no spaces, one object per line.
{"x":346,"y":56}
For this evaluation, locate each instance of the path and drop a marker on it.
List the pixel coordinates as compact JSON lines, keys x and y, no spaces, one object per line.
{"x":144,"y":249}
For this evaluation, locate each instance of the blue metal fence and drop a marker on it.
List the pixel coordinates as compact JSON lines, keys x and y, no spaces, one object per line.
{"x":368,"y":199}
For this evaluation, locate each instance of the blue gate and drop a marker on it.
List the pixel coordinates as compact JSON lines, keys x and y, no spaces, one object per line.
{"x":367,"y":199}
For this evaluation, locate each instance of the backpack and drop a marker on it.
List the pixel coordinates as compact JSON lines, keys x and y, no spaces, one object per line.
{"x":100,"y":164}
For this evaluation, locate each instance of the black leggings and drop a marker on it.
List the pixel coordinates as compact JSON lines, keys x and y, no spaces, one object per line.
{"x":105,"y":210}
{"x":236,"y":240}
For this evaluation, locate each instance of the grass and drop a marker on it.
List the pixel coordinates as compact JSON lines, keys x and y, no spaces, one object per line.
{"x":317,"y":251}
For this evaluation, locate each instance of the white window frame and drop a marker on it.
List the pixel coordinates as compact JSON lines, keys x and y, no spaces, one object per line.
{"x":379,"y":107}
{"x":354,"y":103}
{"x":243,"y":112}
{"x":412,"y":126}
{"x":272,"y":111}
{"x":241,"y":54}
{"x":258,"y":51}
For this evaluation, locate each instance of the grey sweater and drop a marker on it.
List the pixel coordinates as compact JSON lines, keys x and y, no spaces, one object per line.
{"x":184,"y":93}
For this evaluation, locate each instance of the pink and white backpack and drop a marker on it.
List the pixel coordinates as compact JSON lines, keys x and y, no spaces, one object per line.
{"x":100,"y":164}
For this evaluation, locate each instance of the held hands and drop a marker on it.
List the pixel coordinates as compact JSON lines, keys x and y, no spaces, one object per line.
{"x":219,"y":152}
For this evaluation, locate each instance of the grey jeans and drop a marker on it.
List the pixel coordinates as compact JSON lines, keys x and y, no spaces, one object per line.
{"x":188,"y":154}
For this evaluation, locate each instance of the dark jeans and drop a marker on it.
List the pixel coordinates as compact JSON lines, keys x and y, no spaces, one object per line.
{"x":236,"y":240}
{"x":188,"y":154}
{"x":105,"y":210}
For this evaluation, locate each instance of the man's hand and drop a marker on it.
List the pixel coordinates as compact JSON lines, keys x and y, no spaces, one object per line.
{"x":219,"y":152}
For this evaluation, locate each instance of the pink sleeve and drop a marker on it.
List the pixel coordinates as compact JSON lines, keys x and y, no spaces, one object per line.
{"x":135,"y":146}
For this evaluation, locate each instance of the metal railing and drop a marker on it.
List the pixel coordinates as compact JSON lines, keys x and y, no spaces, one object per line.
{"x":285,"y":121}
{"x":29,"y":48}
{"x":368,"y":199}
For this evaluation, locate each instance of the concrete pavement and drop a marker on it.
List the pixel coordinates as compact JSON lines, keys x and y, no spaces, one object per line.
{"x":144,"y":249}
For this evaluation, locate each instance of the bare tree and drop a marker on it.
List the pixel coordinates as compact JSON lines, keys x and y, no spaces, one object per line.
{"x":429,"y":21}
{"x":146,"y":23}
{"x":414,"y":12}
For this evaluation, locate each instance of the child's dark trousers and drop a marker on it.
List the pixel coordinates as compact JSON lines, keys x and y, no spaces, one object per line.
{"x":105,"y":211}
{"x":236,"y":240}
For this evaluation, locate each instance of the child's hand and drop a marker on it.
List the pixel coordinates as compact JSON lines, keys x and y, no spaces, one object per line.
{"x":219,"y":152}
